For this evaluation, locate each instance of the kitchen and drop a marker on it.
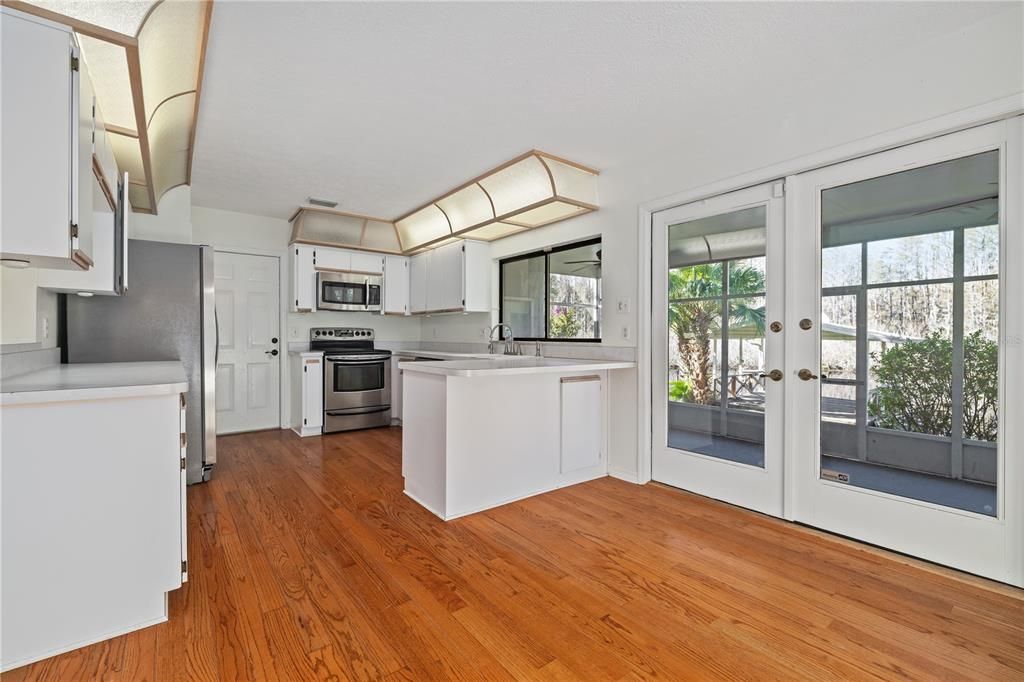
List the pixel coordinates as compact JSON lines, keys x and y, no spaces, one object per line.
{"x":337,"y":379}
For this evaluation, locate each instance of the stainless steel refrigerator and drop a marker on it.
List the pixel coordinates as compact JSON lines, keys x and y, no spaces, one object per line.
{"x":166,"y":313}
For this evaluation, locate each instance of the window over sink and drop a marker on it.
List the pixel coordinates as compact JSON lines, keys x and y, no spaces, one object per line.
{"x":553,"y":294}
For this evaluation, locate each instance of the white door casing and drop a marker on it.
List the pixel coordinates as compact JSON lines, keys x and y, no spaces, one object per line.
{"x":248,"y":324}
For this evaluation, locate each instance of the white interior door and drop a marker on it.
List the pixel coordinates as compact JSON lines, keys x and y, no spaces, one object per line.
{"x":718,"y":387}
{"x":248,"y":327}
{"x":904,"y":297}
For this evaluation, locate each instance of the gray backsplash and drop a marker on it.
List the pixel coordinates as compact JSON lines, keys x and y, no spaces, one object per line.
{"x":15,"y":363}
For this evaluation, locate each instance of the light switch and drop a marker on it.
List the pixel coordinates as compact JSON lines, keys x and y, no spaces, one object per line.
{"x":622,"y":305}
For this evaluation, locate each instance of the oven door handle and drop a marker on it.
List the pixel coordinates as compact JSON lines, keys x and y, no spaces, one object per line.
{"x":357,"y":410}
{"x":356,"y":363}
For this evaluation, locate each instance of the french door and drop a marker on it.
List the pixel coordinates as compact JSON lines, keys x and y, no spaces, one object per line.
{"x":895,"y":287}
{"x":718,"y":301}
{"x":907,"y":299}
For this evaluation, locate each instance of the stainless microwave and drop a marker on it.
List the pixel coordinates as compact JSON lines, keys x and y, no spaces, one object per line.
{"x":348,"y":291}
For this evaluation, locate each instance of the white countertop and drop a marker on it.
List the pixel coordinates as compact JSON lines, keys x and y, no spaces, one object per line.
{"x":511,"y":364}
{"x":439,"y":354}
{"x":94,"y":381}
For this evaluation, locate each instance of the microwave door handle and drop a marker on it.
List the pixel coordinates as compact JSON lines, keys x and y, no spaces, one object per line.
{"x":366,"y":293}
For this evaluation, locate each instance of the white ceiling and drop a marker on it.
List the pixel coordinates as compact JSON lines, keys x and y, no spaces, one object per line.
{"x":384,"y":106}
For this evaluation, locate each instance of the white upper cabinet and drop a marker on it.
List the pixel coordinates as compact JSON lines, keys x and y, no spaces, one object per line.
{"x":451,"y":278}
{"x":396,"y":285}
{"x":47,"y":129}
{"x":419,"y":265}
{"x":458,"y":278}
{"x":446,"y":279}
{"x":303,"y":278}
{"x":370,"y":263}
{"x":333,"y":259}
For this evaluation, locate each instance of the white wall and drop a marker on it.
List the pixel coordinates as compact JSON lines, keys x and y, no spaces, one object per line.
{"x":172,"y":222}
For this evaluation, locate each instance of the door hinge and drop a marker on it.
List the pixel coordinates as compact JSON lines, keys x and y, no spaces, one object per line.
{"x":74,"y":230}
{"x":779,"y":189}
{"x":74,"y":63}
{"x":184,"y":440}
{"x":184,"y":566}
{"x":182,"y":463}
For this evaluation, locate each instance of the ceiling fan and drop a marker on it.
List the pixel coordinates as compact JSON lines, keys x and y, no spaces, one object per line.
{"x":589,"y":263}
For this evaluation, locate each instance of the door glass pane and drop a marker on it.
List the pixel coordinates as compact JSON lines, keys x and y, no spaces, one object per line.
{"x":909,"y":332}
{"x":716,"y":344}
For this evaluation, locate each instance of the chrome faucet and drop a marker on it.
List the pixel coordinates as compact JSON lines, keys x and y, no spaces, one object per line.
{"x":510,"y":344}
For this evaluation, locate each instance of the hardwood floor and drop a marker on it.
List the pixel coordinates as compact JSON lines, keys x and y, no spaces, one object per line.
{"x":307,"y":562}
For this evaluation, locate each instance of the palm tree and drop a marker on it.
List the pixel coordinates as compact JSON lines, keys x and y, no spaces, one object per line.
{"x":695,"y":310}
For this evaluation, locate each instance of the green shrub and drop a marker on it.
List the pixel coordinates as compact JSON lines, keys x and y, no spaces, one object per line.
{"x":680,"y":391}
{"x":914,"y":381}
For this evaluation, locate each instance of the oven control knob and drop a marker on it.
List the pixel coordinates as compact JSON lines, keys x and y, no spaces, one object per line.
{"x":330,"y":333}
{"x":317,"y":333}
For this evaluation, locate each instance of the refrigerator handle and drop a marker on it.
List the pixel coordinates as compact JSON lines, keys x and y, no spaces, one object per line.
{"x":216,"y":338}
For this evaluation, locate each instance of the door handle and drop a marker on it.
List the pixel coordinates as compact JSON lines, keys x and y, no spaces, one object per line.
{"x":774,"y":375}
{"x":271,"y":352}
{"x":806,"y":375}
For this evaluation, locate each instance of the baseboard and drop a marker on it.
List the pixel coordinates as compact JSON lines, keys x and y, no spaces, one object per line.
{"x":5,"y":667}
{"x":623,"y":475}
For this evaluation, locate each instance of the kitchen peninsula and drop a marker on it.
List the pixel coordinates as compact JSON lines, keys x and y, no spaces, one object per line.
{"x":478,"y":433}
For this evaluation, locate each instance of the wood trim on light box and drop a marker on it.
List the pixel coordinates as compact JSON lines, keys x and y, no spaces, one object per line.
{"x":334,"y":211}
{"x":131,"y":54}
{"x":118,"y":130}
{"x":340,"y":245}
{"x":492,"y":171}
{"x":97,"y":172}
{"x":204,"y":39}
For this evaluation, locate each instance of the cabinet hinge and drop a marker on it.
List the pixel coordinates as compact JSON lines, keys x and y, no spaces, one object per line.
{"x":463,"y":302}
{"x":304,"y":421}
{"x":463,"y":248}
{"x":296,"y":303}
{"x":74,"y":230}
{"x":182,"y":463}
{"x":184,"y":566}
{"x":74,"y":63}
{"x":304,"y":368}
{"x":296,"y":252}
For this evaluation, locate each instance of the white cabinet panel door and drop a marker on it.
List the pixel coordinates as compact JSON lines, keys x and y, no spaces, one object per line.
{"x":333,"y":259}
{"x":369,"y":263}
{"x":444,"y":291}
{"x":249,"y":360}
{"x":303,"y":279}
{"x":396,"y":285}
{"x":419,"y":271}
{"x":582,"y":431}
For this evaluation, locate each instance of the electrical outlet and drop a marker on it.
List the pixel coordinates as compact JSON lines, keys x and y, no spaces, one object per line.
{"x":294,"y":332}
{"x":46,"y":327}
{"x":625,"y":331}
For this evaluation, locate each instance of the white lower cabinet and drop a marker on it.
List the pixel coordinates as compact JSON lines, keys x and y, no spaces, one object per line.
{"x":93,"y":507}
{"x":581,"y":421}
{"x":307,"y":403}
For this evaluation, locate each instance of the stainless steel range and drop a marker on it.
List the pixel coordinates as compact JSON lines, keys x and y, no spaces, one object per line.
{"x":357,"y":378}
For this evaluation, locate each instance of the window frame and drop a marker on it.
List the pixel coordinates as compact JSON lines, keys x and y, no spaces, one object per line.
{"x":546,"y":254}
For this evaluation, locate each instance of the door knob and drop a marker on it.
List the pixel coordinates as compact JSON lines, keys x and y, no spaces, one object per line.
{"x":806,"y":375}
{"x":271,"y":352}
{"x":774,"y":375}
